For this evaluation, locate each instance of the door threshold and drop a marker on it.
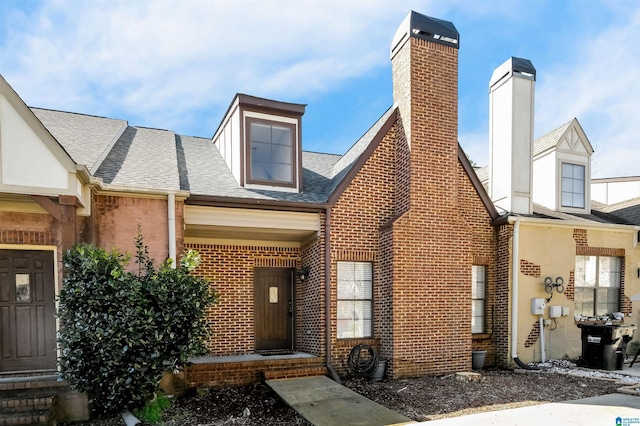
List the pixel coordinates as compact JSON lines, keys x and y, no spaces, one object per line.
{"x":275,"y":352}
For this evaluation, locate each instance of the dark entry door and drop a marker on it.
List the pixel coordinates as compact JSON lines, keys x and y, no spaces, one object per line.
{"x":27,"y":317}
{"x":273,"y":309}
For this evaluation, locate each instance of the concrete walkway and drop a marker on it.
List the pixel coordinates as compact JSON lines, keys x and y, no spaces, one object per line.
{"x":613,"y":409}
{"x":324,"y":402}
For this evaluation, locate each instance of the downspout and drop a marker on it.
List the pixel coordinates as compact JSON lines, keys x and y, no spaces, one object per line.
{"x":515,"y":262}
{"x":327,"y":295}
{"x":171,"y":220}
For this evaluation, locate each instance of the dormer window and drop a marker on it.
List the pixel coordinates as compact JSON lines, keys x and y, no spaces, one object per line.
{"x":271,"y":152}
{"x":573,"y":185}
{"x":261,"y":142}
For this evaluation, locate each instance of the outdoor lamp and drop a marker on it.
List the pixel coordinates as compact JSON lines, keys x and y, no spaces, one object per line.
{"x":303,"y":273}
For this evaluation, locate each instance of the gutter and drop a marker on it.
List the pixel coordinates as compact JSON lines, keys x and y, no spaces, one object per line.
{"x":559,"y":223}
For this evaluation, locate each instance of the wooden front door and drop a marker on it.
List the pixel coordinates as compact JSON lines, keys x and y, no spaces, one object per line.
{"x":273,"y":309}
{"x":27,"y":312}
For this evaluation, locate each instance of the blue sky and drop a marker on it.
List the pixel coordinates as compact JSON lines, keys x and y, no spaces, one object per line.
{"x":177,"y":64}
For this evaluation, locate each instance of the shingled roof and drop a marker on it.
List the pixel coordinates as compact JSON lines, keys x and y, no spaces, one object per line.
{"x":86,"y":138}
{"x":153,"y":159}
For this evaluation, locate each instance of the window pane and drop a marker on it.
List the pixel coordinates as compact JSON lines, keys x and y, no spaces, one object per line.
{"x":578,"y":200}
{"x":586,"y":271}
{"x":478,"y":283}
{"x":584,"y":301}
{"x":281,"y":172}
{"x":281,"y":136}
{"x":607,"y":301}
{"x":609,"y":272}
{"x":281,"y":154}
{"x":354,"y":318}
{"x":23,"y":289}
{"x":477,"y":316}
{"x":260,"y":133}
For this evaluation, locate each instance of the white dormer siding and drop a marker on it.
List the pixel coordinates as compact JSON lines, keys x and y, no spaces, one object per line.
{"x":511,"y":106}
{"x":562,"y":169}
{"x":260,"y":141}
{"x":615,"y":190}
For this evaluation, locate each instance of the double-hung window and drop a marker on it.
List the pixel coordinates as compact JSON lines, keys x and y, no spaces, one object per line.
{"x":355,"y":300}
{"x":597,"y":285}
{"x":478,"y":287}
{"x":573,"y":185}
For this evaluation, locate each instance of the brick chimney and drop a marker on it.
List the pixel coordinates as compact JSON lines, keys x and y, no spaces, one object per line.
{"x":511,"y":105}
{"x":429,"y":245}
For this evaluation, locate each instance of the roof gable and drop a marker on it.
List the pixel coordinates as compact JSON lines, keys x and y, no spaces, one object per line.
{"x":32,"y":159}
{"x":569,"y":137}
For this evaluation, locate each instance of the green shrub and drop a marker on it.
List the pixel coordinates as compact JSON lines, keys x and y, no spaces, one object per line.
{"x":152,"y":411}
{"x":120,"y":331}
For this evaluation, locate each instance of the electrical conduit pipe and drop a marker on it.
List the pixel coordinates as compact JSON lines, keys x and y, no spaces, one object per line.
{"x":542,"y":351}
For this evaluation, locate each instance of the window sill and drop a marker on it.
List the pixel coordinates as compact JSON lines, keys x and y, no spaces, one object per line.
{"x":481,"y":336}
{"x":352,"y":341}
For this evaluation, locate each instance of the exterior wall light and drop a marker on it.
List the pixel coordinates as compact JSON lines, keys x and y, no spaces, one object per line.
{"x":303,"y":273}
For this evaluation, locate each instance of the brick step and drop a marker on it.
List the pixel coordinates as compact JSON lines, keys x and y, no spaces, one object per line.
{"x":292,"y":372}
{"x":32,"y":382}
{"x":27,"y":400}
{"x":33,"y":418}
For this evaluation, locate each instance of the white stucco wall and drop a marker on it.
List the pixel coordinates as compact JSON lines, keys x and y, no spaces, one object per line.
{"x":26,"y":159}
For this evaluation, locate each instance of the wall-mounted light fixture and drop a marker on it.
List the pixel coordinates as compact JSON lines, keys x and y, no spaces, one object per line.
{"x":303,"y":273}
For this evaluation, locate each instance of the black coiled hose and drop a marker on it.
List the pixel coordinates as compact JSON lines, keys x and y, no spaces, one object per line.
{"x":363,"y":360}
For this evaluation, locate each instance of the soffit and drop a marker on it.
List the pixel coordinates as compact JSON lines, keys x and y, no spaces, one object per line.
{"x":252,"y":224}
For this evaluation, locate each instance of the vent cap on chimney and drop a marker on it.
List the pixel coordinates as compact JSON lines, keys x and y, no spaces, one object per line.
{"x":425,"y":28}
{"x":516,"y":66}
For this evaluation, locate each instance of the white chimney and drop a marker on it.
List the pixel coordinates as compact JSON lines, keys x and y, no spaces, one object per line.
{"x":511,"y":104}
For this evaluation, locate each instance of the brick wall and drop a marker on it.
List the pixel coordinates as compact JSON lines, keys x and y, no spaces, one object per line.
{"x":503,"y":305}
{"x":431,"y":247}
{"x":116,"y":220}
{"x":310,"y":297}
{"x":230,"y":269}
{"x":423,"y":232}
{"x":357,"y":217}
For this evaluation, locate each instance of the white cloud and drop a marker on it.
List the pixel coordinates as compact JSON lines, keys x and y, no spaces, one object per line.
{"x":149,"y":57}
{"x":598,"y":82}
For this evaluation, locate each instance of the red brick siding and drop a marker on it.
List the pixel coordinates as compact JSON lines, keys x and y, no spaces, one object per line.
{"x":230,"y":269}
{"x":431,"y":273}
{"x":310,"y":297}
{"x":529,"y":269}
{"x":533,"y":336}
{"x":356,"y":219}
{"x":117,"y":218}
{"x":503,"y":306}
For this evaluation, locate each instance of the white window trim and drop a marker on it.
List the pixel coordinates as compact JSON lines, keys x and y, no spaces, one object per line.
{"x":564,"y":158}
{"x":367,"y":334}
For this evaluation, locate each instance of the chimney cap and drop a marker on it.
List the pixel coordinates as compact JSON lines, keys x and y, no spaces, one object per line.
{"x":513,"y":66}
{"x":425,"y":28}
